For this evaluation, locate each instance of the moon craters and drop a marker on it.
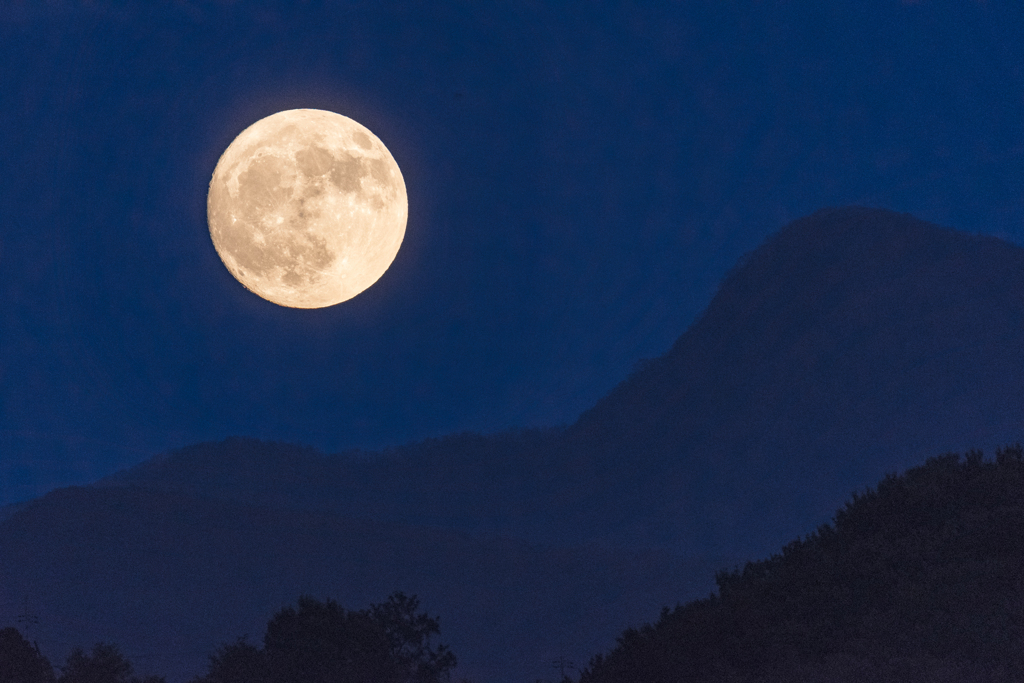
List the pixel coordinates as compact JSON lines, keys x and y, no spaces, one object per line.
{"x":314,"y":161}
{"x":307,"y":208}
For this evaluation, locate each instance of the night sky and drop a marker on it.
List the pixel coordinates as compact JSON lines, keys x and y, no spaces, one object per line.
{"x":581,"y":175}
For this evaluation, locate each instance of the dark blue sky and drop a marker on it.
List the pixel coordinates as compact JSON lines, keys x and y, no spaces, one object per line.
{"x":581,"y":175}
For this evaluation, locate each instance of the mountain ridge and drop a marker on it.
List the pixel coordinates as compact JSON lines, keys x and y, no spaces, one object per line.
{"x":852,"y":342}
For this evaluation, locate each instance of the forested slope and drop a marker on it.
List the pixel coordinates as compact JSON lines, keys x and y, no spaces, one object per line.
{"x":920,"y":579}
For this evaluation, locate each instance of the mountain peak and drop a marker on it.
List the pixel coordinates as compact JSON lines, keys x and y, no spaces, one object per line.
{"x":838,"y":255}
{"x":850,"y":338}
{"x":855,"y":239}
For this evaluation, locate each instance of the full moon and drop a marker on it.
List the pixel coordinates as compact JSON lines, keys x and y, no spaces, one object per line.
{"x":307,"y":208}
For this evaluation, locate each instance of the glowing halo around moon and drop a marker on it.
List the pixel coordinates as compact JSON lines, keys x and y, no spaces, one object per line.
{"x":307,"y":208}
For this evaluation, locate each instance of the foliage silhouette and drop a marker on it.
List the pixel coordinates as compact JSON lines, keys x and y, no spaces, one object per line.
{"x":105,"y":664}
{"x":321,"y":642}
{"x":918,"y":580}
{"x":20,"y":661}
{"x":238,"y":662}
{"x":408,"y":636}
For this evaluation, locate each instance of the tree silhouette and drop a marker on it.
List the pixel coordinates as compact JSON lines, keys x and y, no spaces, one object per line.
{"x":21,"y":662}
{"x":239,"y":662}
{"x":106,"y":664}
{"x":321,"y":642}
{"x":408,"y":635}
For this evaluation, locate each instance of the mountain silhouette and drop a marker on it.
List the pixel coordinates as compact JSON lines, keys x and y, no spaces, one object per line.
{"x":854,"y":342}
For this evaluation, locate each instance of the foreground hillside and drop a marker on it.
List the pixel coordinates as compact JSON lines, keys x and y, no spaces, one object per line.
{"x":853,"y":342}
{"x":920,"y":581}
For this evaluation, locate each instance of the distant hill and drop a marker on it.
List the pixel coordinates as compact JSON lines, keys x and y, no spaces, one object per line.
{"x":918,"y":580}
{"x":853,"y":342}
{"x":169,"y":577}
